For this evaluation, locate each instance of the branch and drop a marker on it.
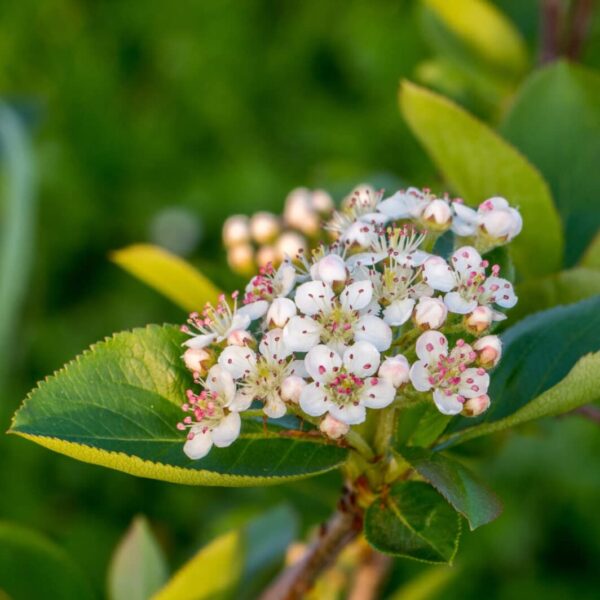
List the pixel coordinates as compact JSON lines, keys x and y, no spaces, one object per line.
{"x":371,"y":576}
{"x":550,"y":18}
{"x":343,"y":527}
{"x":580,"y":25}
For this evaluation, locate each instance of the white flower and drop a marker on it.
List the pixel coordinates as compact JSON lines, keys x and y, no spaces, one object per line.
{"x":474,"y":407}
{"x":467,"y":284}
{"x":395,"y":370}
{"x":494,"y":218}
{"x":264,"y":227}
{"x":333,"y":428}
{"x":215,"y":324}
{"x":430,"y":313}
{"x":214,"y":418}
{"x":344,"y":387}
{"x":337,"y":320}
{"x":266,"y":286}
{"x":407,"y":204}
{"x":437,"y":214}
{"x":489,"y":351}
{"x":448,"y":374}
{"x":260,"y":375}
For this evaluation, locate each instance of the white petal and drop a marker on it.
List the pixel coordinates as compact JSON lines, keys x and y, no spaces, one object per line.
{"x":374,"y":218}
{"x":473,"y":383}
{"x":419,"y":376}
{"x":227,"y":431}
{"x":272,"y":345}
{"x":330,"y":268}
{"x":398,"y":312}
{"x":374,"y":330}
{"x":297,"y":367}
{"x":467,"y":260}
{"x":322,"y":362}
{"x":501,"y":291}
{"x":495,"y":203}
{"x":431,"y":345}
{"x":199,"y":446}
{"x":281,"y":311}
{"x":313,"y":297}
{"x":301,"y":334}
{"x":398,"y":206}
{"x":200,"y":341}
{"x":220,"y":380}
{"x":360,"y":233}
{"x":438,"y":274}
{"x":313,"y":400}
{"x":247,"y":313}
{"x":274,"y":407}
{"x":417,"y":258}
{"x":351,"y":414}
{"x":238,"y":360}
{"x":395,"y":370}
{"x":241,"y":401}
{"x":379,"y":394}
{"x":457,"y":304}
{"x":285,"y":278}
{"x":462,"y":228}
{"x":357,"y":295}
{"x":362,"y":359}
{"x":365,"y":259}
{"x":465,"y":213}
{"x":447,"y":405}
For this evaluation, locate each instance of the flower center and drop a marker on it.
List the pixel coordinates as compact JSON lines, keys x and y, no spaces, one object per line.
{"x":266,"y":377}
{"x":337,"y":325}
{"x":345,"y":388}
{"x":206,"y":409}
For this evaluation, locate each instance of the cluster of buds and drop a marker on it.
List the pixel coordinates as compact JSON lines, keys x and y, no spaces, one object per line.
{"x":265,"y":238}
{"x":372,"y":320}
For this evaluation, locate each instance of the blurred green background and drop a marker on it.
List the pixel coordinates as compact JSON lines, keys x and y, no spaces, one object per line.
{"x":154,"y":121}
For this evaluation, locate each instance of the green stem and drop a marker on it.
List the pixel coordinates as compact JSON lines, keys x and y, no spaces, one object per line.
{"x":356,"y":441}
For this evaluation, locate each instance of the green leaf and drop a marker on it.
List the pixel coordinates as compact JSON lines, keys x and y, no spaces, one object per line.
{"x":459,"y":485}
{"x":479,"y":164}
{"x":209,"y":574}
{"x":33,"y":567}
{"x":167,"y":274}
{"x":413,"y":521}
{"x":138,"y":568}
{"x":117,"y":405}
{"x":555,"y":122}
{"x":591,"y":257}
{"x":427,"y":584}
{"x":420,"y":425}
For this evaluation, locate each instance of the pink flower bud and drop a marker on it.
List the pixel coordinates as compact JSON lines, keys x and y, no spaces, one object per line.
{"x":291,"y":388}
{"x":395,"y":370}
{"x":198,"y":360}
{"x":473,"y":407}
{"x":299,"y":212}
{"x":241,"y":259}
{"x":331,"y":269}
{"x":430,"y":313}
{"x":489,"y":351}
{"x":333,"y":428}
{"x":240,"y":337}
{"x":280,"y":312}
{"x":437,"y":214}
{"x":479,"y":320}
{"x":236,"y":231}
{"x":321,"y":201}
{"x":264,"y":227}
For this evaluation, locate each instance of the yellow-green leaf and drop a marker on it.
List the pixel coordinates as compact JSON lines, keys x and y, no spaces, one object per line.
{"x":167,"y":274}
{"x":591,"y":257}
{"x":212,"y":571}
{"x":479,"y":164}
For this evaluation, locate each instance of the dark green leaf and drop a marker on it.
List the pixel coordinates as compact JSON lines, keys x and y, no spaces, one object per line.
{"x":413,"y":521}
{"x":460,"y":486}
{"x":117,"y":405}
{"x":420,"y":425}
{"x":555,"y":122}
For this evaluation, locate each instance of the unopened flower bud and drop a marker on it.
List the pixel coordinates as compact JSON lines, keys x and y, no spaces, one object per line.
{"x":264,"y":227}
{"x":290,"y":244}
{"x":473,"y":407}
{"x":198,"y":360}
{"x":489,"y":351}
{"x":299,"y":212}
{"x":321,"y":201}
{"x":236,"y":231}
{"x":241,"y":259}
{"x":333,"y":428}
{"x":438,"y":215}
{"x":430,"y":313}
{"x":240,"y":337}
{"x":499,"y":220}
{"x":330,"y":269}
{"x":395,"y":370}
{"x":291,"y":388}
{"x":479,"y":320}
{"x":266,"y":255}
{"x":280,"y":312}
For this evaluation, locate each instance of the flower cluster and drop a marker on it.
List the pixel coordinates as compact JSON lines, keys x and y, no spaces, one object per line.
{"x":373,"y":319}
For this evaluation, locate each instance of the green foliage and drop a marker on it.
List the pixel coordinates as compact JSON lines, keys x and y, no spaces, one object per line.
{"x":117,"y":405}
{"x":462,"y":488}
{"x":413,"y":521}
{"x":555,"y":122}
{"x":479,"y":164}
{"x":138,"y":567}
{"x":29,"y":563}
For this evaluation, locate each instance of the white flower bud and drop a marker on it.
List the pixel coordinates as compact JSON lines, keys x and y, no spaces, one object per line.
{"x":264,"y":227}
{"x":280,"y":312}
{"x":430,"y":313}
{"x":291,"y":388}
{"x":499,"y":220}
{"x":299,"y":213}
{"x":266,"y":255}
{"x":473,"y":407}
{"x":331,"y":269}
{"x":479,"y":320}
{"x":489,"y":351}
{"x":290,"y":244}
{"x":240,"y":337}
{"x":241,"y":259}
{"x":333,"y":428}
{"x":236,"y":231}
{"x":437,"y":214}
{"x":198,"y":360}
{"x":395,"y":370}
{"x":321,"y":201}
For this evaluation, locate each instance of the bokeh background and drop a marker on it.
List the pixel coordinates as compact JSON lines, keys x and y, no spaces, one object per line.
{"x":152,"y":122}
